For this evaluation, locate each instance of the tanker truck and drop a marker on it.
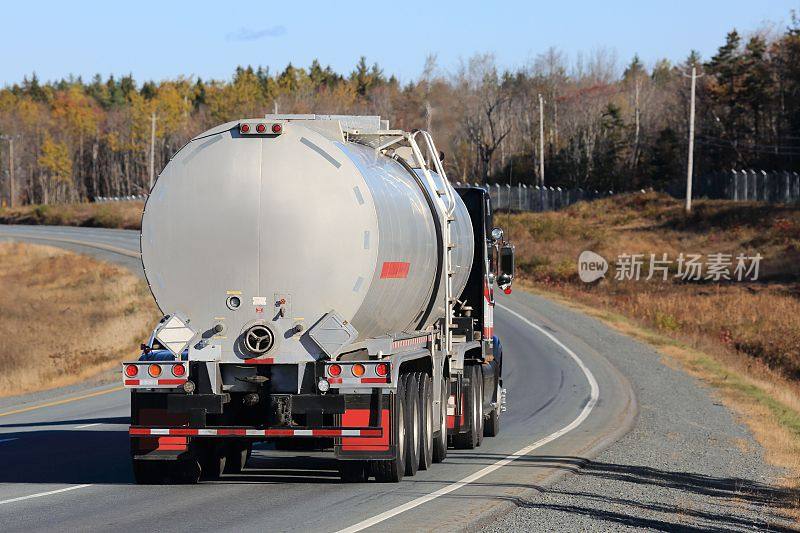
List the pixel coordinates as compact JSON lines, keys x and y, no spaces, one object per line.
{"x":320,"y":281}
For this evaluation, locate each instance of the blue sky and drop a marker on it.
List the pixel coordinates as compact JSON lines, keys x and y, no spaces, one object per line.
{"x":163,"y":39}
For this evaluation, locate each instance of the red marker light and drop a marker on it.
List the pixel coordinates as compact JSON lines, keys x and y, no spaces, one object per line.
{"x":382,"y":369}
{"x":131,"y":370}
{"x":178,"y":370}
{"x":277,"y":128}
{"x":261,"y":128}
{"x":334,"y":370}
{"x":244,"y":128}
{"x":507,"y":290}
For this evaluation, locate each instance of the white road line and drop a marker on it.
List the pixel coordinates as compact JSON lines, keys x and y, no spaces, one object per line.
{"x":89,"y":425}
{"x":41,"y":494}
{"x":9,"y":440}
{"x":584,"y":414}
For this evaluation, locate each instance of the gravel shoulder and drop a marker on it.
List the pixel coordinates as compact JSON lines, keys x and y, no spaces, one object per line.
{"x":687,"y":464}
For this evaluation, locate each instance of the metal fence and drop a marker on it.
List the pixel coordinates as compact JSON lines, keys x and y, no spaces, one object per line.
{"x":750,"y":185}
{"x":534,"y":198}
{"x":105,"y":199}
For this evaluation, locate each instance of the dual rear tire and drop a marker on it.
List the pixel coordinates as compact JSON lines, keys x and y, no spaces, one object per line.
{"x":414,"y":430}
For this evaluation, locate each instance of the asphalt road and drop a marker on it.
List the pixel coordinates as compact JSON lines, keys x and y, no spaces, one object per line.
{"x":64,"y":461}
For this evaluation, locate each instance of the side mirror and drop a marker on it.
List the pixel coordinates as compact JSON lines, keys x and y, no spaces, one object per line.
{"x":506,"y":275}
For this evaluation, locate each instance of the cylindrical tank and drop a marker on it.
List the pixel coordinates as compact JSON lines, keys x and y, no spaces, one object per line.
{"x":292,"y":227}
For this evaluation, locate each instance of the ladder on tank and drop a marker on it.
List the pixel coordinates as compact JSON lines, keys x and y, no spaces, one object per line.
{"x":447,"y":206}
{"x":441,"y":193}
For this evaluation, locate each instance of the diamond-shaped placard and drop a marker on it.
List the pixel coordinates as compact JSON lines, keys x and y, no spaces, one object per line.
{"x":174,"y":335}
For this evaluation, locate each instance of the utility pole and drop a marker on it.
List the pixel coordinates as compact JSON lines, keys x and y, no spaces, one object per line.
{"x":152,"y":148}
{"x":541,"y":141}
{"x":11,"y":186}
{"x":690,"y":165}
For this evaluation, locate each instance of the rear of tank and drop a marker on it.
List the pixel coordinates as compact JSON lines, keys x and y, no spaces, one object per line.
{"x":281,"y":229}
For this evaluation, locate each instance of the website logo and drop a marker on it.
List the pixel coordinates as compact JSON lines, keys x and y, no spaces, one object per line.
{"x":591,"y":266}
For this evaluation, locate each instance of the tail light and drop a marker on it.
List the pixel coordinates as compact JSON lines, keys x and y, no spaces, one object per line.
{"x":244,"y":128}
{"x":277,"y":128}
{"x":358,"y":370}
{"x":261,"y":128}
{"x":154,"y":370}
{"x":382,"y":369}
{"x":178,"y":370}
{"x":334,"y":370}
{"x":131,"y":370}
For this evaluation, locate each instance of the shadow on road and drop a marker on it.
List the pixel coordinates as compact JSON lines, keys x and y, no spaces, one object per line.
{"x":729,"y":494}
{"x":102,"y":456}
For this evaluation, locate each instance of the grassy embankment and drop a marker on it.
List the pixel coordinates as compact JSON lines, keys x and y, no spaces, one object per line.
{"x":742,"y":338}
{"x":121,"y":215}
{"x":65,"y":317}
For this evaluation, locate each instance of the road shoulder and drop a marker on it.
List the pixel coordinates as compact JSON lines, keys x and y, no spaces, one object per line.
{"x":687,"y":463}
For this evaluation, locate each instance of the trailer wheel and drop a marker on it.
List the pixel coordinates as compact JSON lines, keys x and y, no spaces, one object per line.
{"x":440,"y":440}
{"x":413,"y":424}
{"x":185,"y":471}
{"x":478,"y":388}
{"x":468,"y":440}
{"x":492,"y":426}
{"x":150,"y":472}
{"x":353,"y":471}
{"x":392,"y":471}
{"x":426,"y":419}
{"x":212,"y":459}
{"x":237,"y":455}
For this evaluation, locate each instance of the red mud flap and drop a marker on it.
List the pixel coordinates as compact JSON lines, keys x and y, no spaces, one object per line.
{"x":358,"y":445}
{"x":371,"y":432}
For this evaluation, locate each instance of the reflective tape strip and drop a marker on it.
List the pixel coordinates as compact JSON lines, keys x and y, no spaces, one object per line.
{"x":411,"y":342}
{"x":245,"y":432}
{"x":374,"y":380}
{"x":265,"y":361}
{"x":149,"y":383}
{"x":395,"y":270}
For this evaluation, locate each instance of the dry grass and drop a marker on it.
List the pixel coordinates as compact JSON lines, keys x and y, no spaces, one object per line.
{"x":741,"y":338}
{"x":65,"y":317}
{"x":120,"y":215}
{"x":760,"y":320}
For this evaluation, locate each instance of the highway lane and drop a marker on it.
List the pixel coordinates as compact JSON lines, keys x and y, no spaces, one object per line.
{"x":81,"y":447}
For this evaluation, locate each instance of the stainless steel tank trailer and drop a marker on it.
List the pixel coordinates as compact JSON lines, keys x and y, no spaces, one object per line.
{"x":321,"y":280}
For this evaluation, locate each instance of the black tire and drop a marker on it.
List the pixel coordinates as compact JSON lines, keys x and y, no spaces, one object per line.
{"x":392,"y":471}
{"x":212,"y":457}
{"x":353,"y":471}
{"x":237,"y":454}
{"x":150,"y":472}
{"x":492,"y":425}
{"x":185,"y":471}
{"x":478,"y":380}
{"x":426,"y":421}
{"x":468,"y":439}
{"x":440,"y":438}
{"x":413,"y":424}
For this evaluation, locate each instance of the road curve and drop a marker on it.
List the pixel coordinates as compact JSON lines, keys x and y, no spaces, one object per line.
{"x":65,"y":462}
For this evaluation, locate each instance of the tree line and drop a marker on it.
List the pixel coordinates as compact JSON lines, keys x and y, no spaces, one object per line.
{"x":596,"y":125}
